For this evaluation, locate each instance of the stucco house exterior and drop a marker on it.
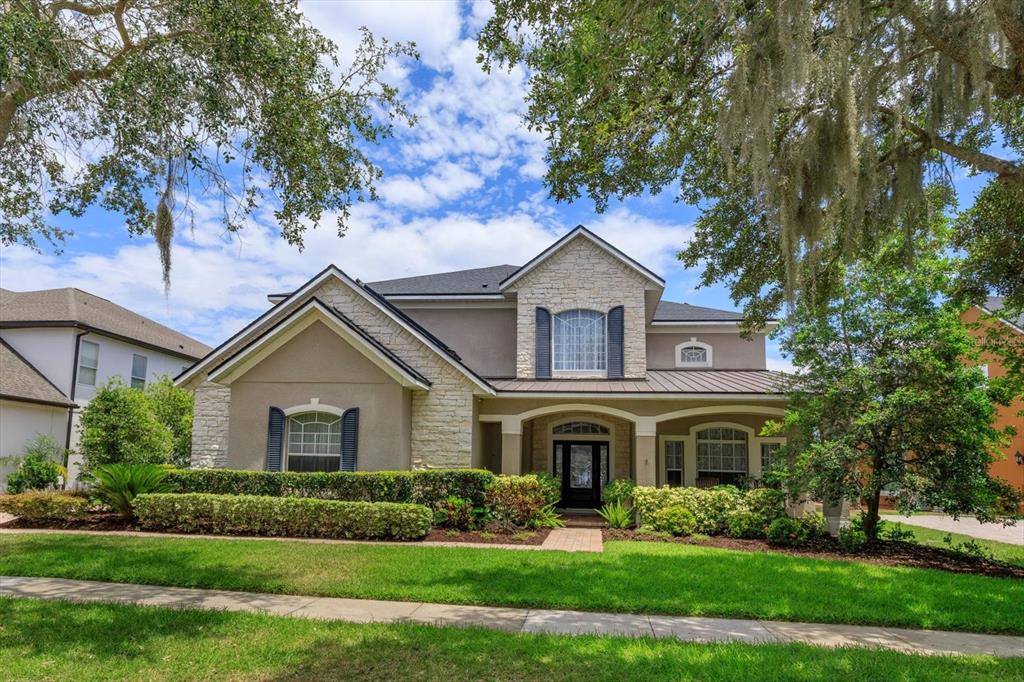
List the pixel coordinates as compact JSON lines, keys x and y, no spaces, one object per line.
{"x":1011,"y":467}
{"x":58,"y":345}
{"x":571,"y":364}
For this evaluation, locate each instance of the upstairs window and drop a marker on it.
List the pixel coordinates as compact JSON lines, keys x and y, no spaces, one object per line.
{"x":693,"y":353}
{"x":88,"y":362}
{"x":580,"y":341}
{"x":314,"y":442}
{"x":139,"y":363}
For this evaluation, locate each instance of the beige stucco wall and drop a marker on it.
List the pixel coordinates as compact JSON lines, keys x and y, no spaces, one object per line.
{"x":318,"y":365}
{"x":485,"y":338}
{"x":581,"y":275}
{"x":729,"y":351}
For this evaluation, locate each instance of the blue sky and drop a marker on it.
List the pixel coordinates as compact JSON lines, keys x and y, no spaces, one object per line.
{"x":462,"y":189}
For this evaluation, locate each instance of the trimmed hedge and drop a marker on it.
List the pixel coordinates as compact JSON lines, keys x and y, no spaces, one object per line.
{"x":430,"y":486}
{"x":711,"y":506}
{"x":290,"y":516}
{"x":46,"y":506}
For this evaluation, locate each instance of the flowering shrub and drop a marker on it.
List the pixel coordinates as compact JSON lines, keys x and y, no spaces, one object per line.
{"x":552,"y":487}
{"x":746,"y":524}
{"x":675,"y":519}
{"x":710,"y":508}
{"x":620,"y":490}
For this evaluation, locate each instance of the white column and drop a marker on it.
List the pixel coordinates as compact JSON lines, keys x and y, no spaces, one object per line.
{"x":645,"y":451}
{"x":511,"y":446}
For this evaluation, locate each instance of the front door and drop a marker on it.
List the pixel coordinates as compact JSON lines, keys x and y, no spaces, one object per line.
{"x":579,"y":465}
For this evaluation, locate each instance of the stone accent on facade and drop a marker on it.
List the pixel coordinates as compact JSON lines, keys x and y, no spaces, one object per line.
{"x":582,"y":275}
{"x":210,"y":425}
{"x":538,"y":436}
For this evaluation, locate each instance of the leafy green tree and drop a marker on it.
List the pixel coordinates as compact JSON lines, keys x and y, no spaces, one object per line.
{"x":172,"y":406}
{"x":40,"y":468}
{"x":885,"y":399}
{"x":130,"y":103}
{"x":808,"y":132}
{"x":119,"y":425}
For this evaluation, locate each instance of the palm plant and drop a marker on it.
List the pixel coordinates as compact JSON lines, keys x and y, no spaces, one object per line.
{"x":617,"y":514}
{"x":119,"y":484}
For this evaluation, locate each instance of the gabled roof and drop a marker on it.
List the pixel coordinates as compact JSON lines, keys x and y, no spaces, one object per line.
{"x":71,"y":307}
{"x":20,"y":380}
{"x":582,"y":232}
{"x":308,"y":313}
{"x":281,"y":311}
{"x":472,"y":282}
{"x":670,"y":311}
{"x":993,"y":304}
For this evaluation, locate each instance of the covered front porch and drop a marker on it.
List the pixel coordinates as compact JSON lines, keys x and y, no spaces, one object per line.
{"x":587,"y":444}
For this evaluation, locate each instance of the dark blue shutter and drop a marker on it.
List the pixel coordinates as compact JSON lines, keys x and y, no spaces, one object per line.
{"x":542,"y":346}
{"x":616,"y":365}
{"x":275,"y":439}
{"x":349,"y":439}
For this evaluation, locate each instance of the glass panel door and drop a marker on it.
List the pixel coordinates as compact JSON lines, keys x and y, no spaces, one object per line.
{"x":581,"y":466}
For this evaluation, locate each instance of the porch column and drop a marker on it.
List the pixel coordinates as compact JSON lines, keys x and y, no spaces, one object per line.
{"x":511,"y":446}
{"x":645,"y":452}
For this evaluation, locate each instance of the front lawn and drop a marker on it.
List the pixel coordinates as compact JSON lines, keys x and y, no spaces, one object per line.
{"x":55,"y":640}
{"x":1002,"y":551}
{"x":635,"y":577}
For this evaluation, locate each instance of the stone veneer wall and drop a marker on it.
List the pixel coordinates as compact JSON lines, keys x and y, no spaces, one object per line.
{"x":442,"y":418}
{"x":540,"y":441}
{"x":582,"y":275}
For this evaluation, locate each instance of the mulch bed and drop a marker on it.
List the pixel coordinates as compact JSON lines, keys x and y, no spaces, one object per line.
{"x":115,"y":522}
{"x":888,"y":553}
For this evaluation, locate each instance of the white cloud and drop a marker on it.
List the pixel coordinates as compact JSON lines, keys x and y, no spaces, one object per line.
{"x":447,"y":181}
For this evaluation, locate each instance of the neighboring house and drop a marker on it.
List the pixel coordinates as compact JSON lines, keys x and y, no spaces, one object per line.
{"x":1011,"y":467}
{"x":58,"y":345}
{"x":570,"y":364}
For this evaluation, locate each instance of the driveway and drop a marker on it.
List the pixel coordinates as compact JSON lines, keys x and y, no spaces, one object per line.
{"x":967,"y":525}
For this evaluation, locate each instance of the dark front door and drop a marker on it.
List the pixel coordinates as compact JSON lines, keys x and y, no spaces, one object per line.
{"x":579,"y":465}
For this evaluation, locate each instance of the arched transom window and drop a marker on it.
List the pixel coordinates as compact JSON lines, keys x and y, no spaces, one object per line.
{"x":580,"y":428}
{"x":314,"y":442}
{"x":693,"y":353}
{"x":580,"y":341}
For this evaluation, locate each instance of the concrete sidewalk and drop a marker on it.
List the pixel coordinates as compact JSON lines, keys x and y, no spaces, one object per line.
{"x":519,"y":620}
{"x":965,"y":525}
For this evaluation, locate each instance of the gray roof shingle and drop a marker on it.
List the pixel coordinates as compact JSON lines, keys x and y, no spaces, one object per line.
{"x":19,"y":380}
{"x":473,"y":281}
{"x":995,"y":303}
{"x":74,"y":307}
{"x":670,"y":311}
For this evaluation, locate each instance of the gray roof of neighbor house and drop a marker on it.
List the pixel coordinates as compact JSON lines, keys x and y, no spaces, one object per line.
{"x":19,"y":380}
{"x":709,"y":381}
{"x":995,"y":303}
{"x":474,"y":281}
{"x":70,"y":307}
{"x":670,"y":311}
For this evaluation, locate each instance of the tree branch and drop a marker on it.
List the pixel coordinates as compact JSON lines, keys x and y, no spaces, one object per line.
{"x":55,"y":8}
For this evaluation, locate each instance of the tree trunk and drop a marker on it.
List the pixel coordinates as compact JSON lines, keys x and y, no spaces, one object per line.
{"x":7,"y":108}
{"x":870,"y":518}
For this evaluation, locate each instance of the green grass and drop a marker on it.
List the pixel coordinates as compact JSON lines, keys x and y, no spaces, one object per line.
{"x":1003,"y":551}
{"x":56,"y":640}
{"x":635,"y":577}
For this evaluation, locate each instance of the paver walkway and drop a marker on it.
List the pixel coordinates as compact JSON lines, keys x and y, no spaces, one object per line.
{"x":574,"y":540}
{"x":966,"y":525}
{"x":518,"y":620}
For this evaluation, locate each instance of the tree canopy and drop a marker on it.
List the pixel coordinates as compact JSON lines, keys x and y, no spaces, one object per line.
{"x":817,"y":128}
{"x":130,"y":104}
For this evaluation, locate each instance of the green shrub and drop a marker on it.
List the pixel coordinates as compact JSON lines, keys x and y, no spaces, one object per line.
{"x":616,"y":514}
{"x":289,"y":516}
{"x":814,"y":525}
{"x":454,"y":512}
{"x":516,"y":501}
{"x":787,"y":532}
{"x":172,"y":406}
{"x":746,"y":524}
{"x":894,"y":532}
{"x":852,"y":539}
{"x":620,"y":490}
{"x":710,"y":507}
{"x":767,"y":503}
{"x":40,"y":468}
{"x":547,"y":517}
{"x":119,"y":426}
{"x":676,"y":519}
{"x":552,"y":487}
{"x":430,"y":487}
{"x":119,"y":484}
{"x":46,"y":506}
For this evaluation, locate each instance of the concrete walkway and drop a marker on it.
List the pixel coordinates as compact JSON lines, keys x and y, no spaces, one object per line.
{"x":518,"y":620}
{"x":966,"y":525}
{"x":574,"y":540}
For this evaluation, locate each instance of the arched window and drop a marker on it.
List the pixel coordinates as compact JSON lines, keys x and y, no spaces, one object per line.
{"x":722,"y":455}
{"x":693,"y":353}
{"x":580,"y":341}
{"x":314,"y":442}
{"x":581,"y":428}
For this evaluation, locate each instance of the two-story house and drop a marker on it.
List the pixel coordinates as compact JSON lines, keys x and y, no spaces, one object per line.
{"x":58,"y":345}
{"x":570,"y":364}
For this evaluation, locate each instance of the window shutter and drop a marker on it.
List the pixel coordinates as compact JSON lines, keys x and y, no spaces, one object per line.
{"x":542,"y":352}
{"x":275,"y":439}
{"x":349,"y":439}
{"x":616,"y":322}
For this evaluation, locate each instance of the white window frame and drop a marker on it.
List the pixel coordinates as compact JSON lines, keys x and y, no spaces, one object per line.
{"x":663,"y":460}
{"x":766,"y":441}
{"x":81,"y":364}
{"x":288,"y":454}
{"x":693,"y":342}
{"x":747,"y":440}
{"x":554,"y":337}
{"x":145,"y":370}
